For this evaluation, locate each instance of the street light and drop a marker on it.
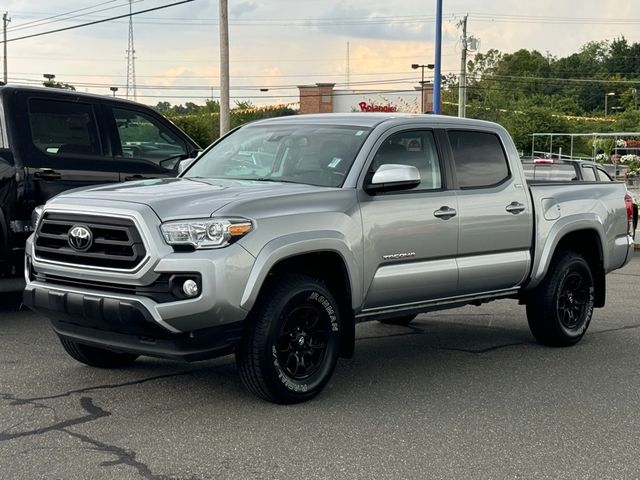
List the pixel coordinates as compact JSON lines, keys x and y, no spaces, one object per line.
{"x":606,"y":98}
{"x":415,"y":66}
{"x":49,"y":79}
{"x":114,"y":90}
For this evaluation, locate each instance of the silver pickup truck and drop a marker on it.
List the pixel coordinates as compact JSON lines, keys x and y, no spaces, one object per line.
{"x":287,"y":232}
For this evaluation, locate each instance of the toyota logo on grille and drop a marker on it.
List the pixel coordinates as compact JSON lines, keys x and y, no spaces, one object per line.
{"x":80,"y":238}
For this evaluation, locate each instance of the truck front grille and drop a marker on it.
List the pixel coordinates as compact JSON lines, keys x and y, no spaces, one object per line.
{"x":113,"y":242}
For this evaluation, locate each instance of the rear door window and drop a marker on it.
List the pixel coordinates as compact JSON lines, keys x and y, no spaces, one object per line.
{"x":61,"y":128}
{"x":479,"y":158}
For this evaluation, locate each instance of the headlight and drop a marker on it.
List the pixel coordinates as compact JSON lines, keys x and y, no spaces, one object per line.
{"x":36,"y":216}
{"x":205,"y":233}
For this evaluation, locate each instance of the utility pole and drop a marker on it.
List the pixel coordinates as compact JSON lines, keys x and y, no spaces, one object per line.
{"x":348,"y":66}
{"x":131,"y":60}
{"x":462,"y":84}
{"x":437,"y":74}
{"x":225,"y":115}
{"x":5,"y":20}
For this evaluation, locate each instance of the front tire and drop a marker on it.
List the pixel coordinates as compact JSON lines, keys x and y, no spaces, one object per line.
{"x":291,"y":344}
{"x":97,"y":357}
{"x":560,"y":311}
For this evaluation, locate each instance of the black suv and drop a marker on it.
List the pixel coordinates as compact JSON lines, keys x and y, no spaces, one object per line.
{"x":52,"y":140}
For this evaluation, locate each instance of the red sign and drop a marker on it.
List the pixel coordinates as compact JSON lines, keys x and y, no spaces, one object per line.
{"x":366,"y":107}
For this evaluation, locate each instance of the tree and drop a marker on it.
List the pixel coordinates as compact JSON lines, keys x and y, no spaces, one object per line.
{"x":53,"y":84}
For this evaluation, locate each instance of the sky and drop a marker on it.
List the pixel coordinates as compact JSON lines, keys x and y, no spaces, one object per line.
{"x":279,"y":44}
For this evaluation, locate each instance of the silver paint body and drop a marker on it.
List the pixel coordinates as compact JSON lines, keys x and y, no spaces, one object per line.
{"x":398,"y":255}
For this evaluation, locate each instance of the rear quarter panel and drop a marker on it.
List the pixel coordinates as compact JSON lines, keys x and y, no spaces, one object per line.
{"x":562,"y":208}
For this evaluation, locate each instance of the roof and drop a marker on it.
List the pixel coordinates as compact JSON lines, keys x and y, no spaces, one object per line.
{"x":4,"y":89}
{"x":371,"y":120}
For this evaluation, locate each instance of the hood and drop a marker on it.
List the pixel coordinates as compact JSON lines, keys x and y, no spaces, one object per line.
{"x":178,"y":198}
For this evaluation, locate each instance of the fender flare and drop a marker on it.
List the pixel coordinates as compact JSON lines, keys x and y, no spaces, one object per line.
{"x":296,"y":244}
{"x":563,"y":227}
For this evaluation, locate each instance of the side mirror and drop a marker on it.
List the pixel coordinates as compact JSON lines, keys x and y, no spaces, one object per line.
{"x":393,"y":177}
{"x":184,"y":164}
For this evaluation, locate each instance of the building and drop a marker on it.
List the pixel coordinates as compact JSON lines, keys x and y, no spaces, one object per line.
{"x":324,"y":98}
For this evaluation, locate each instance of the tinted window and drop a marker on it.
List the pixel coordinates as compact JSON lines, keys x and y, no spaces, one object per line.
{"x":63,"y":128}
{"x":479,"y":159}
{"x":559,"y":172}
{"x":588,"y":174}
{"x":414,"y":148}
{"x":144,"y":137}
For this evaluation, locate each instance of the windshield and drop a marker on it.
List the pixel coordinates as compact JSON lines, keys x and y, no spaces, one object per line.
{"x":312,"y":154}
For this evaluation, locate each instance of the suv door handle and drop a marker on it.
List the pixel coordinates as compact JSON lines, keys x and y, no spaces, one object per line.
{"x":47,"y":174}
{"x":515,"y":208}
{"x":134,"y":177}
{"x":445,"y":212}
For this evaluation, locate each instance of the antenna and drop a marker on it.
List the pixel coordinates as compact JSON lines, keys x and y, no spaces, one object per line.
{"x":131,"y":60}
{"x":348,"y":72}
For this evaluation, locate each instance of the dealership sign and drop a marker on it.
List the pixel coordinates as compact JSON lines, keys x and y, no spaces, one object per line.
{"x":347,"y":101}
{"x":372,"y":107}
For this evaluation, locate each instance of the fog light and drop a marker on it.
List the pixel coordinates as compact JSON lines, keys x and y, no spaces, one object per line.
{"x":190,"y":288}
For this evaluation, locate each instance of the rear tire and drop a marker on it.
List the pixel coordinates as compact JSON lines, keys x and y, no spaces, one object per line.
{"x":560,"y":310}
{"x":404,"y":320}
{"x":97,"y":357}
{"x":291,"y":344}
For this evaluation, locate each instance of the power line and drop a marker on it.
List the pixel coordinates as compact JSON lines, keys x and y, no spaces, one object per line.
{"x":99,"y":21}
{"x":46,"y":21}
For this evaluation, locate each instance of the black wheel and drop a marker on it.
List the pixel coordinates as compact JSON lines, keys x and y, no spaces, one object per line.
{"x":97,"y":357}
{"x":560,"y":311}
{"x":404,"y":320}
{"x":291,"y":343}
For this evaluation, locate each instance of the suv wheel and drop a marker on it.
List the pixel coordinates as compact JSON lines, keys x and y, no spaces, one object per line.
{"x":560,"y":311}
{"x":291,"y":344}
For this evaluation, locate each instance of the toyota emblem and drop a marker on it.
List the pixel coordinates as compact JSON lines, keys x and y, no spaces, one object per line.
{"x":80,"y":238}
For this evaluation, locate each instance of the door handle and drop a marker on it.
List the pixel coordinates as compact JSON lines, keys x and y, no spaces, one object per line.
{"x":515,"y":208}
{"x":445,"y":213}
{"x":47,"y":174}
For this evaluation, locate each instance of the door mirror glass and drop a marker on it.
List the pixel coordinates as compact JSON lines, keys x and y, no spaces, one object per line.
{"x":391,"y":177}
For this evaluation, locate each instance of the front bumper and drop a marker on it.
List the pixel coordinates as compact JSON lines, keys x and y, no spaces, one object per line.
{"x":126,"y":325}
{"x":110,"y":308}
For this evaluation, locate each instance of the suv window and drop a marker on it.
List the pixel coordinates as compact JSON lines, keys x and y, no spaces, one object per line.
{"x":604,"y":176}
{"x":416,"y":148}
{"x":588,"y":174}
{"x":63,"y":128}
{"x":144,"y":137}
{"x":479,"y":158}
{"x":560,"y":172}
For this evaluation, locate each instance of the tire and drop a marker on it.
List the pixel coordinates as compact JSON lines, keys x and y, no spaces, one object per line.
{"x":560,"y":311}
{"x":404,"y":320}
{"x":291,"y":343}
{"x":97,"y":357}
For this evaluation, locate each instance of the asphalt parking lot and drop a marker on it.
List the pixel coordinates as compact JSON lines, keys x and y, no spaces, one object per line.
{"x":464,"y":393}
